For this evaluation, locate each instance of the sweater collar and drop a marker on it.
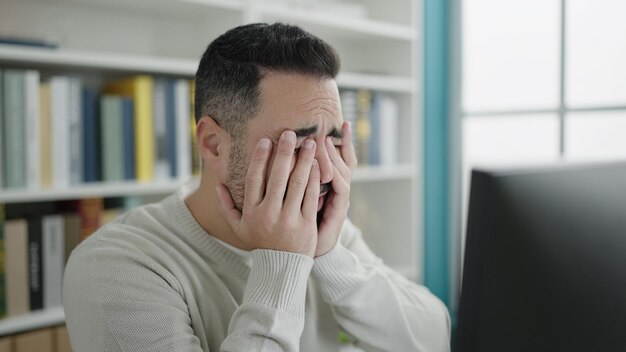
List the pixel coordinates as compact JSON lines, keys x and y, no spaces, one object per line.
{"x":209,"y":247}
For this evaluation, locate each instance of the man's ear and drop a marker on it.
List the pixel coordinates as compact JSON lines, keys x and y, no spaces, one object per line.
{"x":212,"y":140}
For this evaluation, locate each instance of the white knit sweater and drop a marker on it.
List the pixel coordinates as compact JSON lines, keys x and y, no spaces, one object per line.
{"x":154,"y":280}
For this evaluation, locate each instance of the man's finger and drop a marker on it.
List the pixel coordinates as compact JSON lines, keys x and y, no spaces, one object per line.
{"x":255,"y":178}
{"x":312,"y":194}
{"x":347,"y":148}
{"x":279,"y":175}
{"x":339,"y":165}
{"x":299,"y":178}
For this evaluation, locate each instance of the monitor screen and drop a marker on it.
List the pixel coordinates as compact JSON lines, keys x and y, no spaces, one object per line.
{"x":545,"y":260}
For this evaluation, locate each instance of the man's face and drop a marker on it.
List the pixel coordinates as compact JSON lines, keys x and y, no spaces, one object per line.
{"x":309,"y":106}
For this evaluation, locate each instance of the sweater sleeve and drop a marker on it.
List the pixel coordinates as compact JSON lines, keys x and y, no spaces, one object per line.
{"x":380,"y":309}
{"x":116,"y":299}
{"x":271,"y":315}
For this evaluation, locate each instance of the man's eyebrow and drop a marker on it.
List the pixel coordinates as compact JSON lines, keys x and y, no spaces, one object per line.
{"x":307,"y":131}
{"x":335,"y":133}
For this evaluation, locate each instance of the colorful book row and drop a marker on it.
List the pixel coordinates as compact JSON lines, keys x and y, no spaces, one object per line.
{"x":59,"y":132}
{"x":374,"y":117}
{"x":34,"y":250}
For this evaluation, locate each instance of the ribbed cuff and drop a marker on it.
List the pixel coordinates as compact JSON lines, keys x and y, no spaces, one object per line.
{"x":338,"y":272}
{"x":278,"y":280}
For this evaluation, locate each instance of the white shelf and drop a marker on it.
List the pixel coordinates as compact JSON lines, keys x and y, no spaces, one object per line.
{"x":383,"y":173}
{"x":133,"y":188}
{"x":383,"y":83}
{"x":102,"y":60}
{"x":223,"y":4}
{"x":184,"y":7}
{"x":116,"y":189}
{"x":31,"y":321}
{"x":357,"y":26}
{"x":183,"y":67}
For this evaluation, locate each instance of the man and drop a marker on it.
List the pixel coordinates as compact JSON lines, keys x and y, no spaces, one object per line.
{"x":259,"y":256}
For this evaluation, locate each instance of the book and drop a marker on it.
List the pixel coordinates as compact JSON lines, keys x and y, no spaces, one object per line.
{"x":183,"y":132}
{"x":1,"y":131}
{"x":88,"y":211}
{"x":109,"y":215}
{"x":35,"y":263}
{"x":53,"y":237}
{"x":72,"y":230}
{"x":363,"y":126}
{"x":32,"y":129}
{"x":16,"y":266}
{"x":62,"y":339}
{"x":6,"y":343}
{"x":14,"y":129}
{"x":170,"y":123}
{"x":3,"y":295}
{"x":38,"y":340}
{"x":45,"y":135}
{"x":75,"y":120}
{"x":160,"y":109}
{"x":373,"y":158}
{"x":140,"y":90}
{"x":112,"y":144}
{"x":389,"y":116}
{"x":196,"y":159}
{"x":128,"y":131}
{"x":59,"y":93}
{"x":91,"y":136}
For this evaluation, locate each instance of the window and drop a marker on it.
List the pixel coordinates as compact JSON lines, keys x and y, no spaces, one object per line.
{"x":542,"y":80}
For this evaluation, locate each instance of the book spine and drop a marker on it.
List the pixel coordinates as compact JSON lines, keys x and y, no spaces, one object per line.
{"x":91,"y":137}
{"x":3,"y":296}
{"x":183,"y":134}
{"x":45,"y":124}
{"x":112,"y":144}
{"x":388,"y":131}
{"x":374,"y":143}
{"x":59,"y":87}
{"x":14,"y":130}
{"x":128,"y":129}
{"x":35,"y":263}
{"x":53,"y":259}
{"x":161,"y":164}
{"x":89,"y":211}
{"x":196,"y":160}
{"x":144,"y":128}
{"x":75,"y":130}
{"x":363,"y":126}
{"x":41,"y":340}
{"x":2,"y":146}
{"x":171,"y":135}
{"x":16,"y":265}
{"x":72,"y":233}
{"x":32,"y":133}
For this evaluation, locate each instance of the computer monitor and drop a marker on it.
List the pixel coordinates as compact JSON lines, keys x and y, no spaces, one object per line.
{"x":545,"y":260}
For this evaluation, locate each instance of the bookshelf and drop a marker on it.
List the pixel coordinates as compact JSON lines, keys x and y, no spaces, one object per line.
{"x":100,"y":40}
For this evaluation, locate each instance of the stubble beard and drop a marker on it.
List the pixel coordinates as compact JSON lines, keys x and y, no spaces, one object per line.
{"x":237,"y":170}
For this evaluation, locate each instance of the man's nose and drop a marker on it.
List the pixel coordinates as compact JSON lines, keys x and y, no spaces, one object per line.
{"x":326,"y":166}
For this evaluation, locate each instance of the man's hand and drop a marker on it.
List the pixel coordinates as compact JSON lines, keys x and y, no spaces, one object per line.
{"x":336,"y":207}
{"x":271,"y":219}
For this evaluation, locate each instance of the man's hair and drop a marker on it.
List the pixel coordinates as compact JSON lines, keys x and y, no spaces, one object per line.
{"x":228,"y":76}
